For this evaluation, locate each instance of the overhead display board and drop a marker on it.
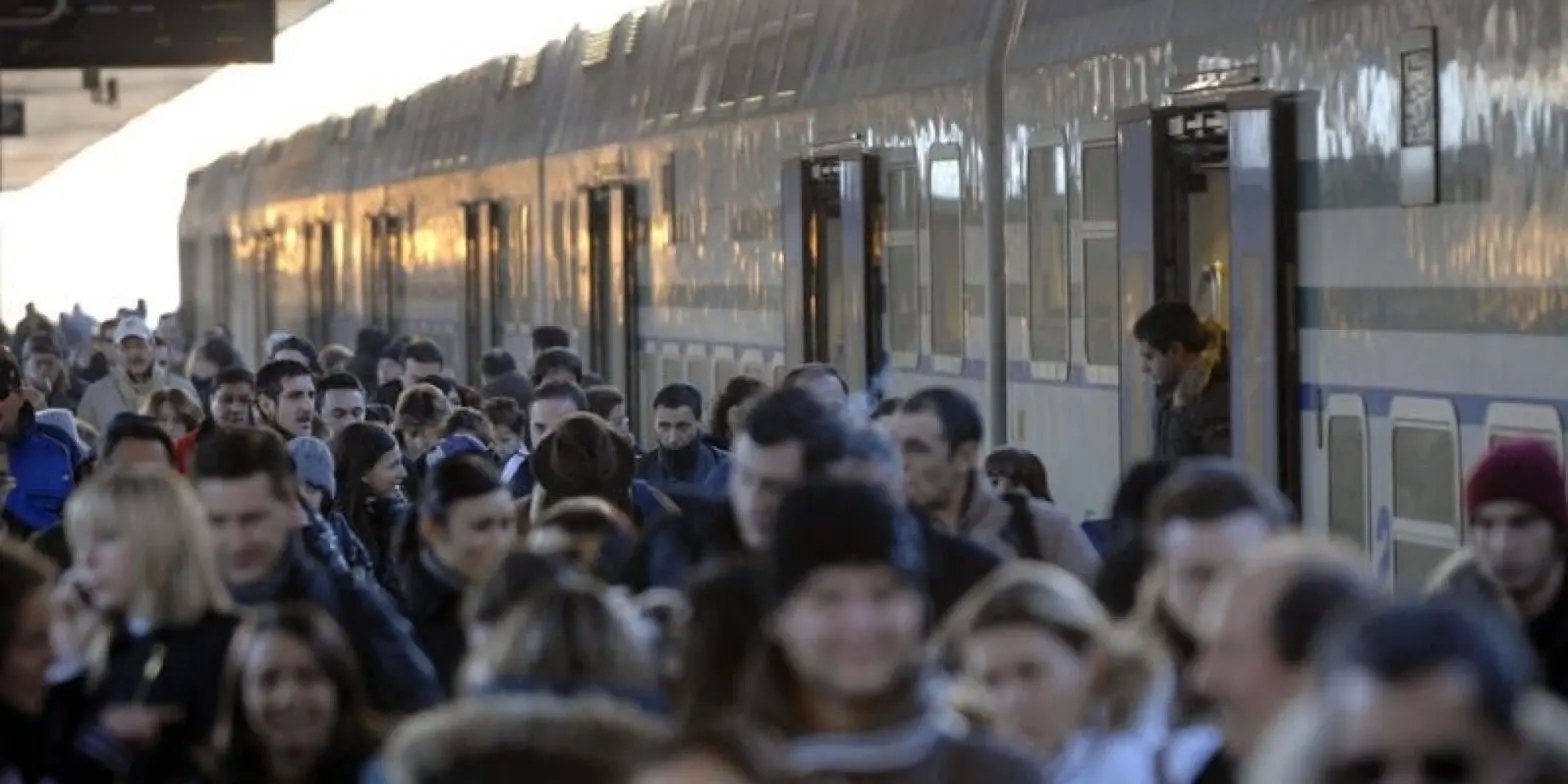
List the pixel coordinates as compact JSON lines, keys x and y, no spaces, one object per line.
{"x":137,"y":33}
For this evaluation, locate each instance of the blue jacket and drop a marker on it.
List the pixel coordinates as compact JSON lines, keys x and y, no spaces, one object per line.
{"x":656,"y":471}
{"x":43,"y":461}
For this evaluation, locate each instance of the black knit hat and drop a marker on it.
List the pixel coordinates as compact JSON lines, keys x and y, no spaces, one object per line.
{"x":842,"y":524}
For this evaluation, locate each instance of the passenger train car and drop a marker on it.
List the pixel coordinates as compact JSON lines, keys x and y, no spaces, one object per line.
{"x":986,"y":194}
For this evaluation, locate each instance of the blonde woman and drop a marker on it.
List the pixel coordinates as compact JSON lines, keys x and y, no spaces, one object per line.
{"x":1049,"y":674}
{"x":147,"y":619}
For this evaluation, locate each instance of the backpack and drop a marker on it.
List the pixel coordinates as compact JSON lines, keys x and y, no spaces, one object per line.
{"x":1021,"y":528}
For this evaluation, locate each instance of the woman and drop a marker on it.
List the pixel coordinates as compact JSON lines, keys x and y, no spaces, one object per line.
{"x":157,"y":623}
{"x":569,"y":640}
{"x":1055,"y":679}
{"x":514,"y":579}
{"x":722,"y":753}
{"x":735,"y":401}
{"x":728,"y":602}
{"x":26,"y":583}
{"x":466,"y":524}
{"x":205,"y":363}
{"x":369,"y":471}
{"x":177,"y":411}
{"x":1014,"y":470}
{"x":295,"y":706}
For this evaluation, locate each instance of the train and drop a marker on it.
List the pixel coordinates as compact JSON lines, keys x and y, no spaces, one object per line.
{"x":983,"y":194}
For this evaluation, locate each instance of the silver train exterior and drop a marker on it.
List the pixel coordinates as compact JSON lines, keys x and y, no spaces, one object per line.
{"x":1370,"y":193}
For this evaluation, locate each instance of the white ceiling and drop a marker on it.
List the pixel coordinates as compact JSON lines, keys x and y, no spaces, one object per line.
{"x":62,"y":119}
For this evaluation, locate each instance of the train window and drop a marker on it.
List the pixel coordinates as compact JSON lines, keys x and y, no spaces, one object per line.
{"x":746,"y":15}
{"x":901,"y":249}
{"x":946,"y":205}
{"x":1102,"y":334}
{"x":797,"y":59}
{"x":1414,"y":563}
{"x":765,"y":66}
{"x":737,"y":67}
{"x":1048,"y":285}
{"x":1515,"y":421}
{"x":1099,"y":182}
{"x":682,"y":89}
{"x":1425,"y":475}
{"x":1347,"y":487}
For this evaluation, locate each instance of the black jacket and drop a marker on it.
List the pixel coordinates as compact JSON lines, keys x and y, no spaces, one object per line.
{"x":399,"y":676}
{"x":1549,"y":636}
{"x":435,"y":602}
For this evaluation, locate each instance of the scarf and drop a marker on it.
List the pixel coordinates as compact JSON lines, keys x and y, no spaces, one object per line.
{"x":900,"y":747}
{"x":131,"y":393}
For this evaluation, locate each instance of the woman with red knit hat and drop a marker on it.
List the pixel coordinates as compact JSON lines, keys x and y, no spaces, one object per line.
{"x":1517,"y":499}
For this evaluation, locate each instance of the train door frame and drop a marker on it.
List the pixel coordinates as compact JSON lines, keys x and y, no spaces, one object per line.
{"x":327,"y":285}
{"x":614,"y":226}
{"x":477,"y":297}
{"x":812,"y":187}
{"x":1263,"y":343}
{"x":498,"y":241}
{"x":267,"y":283}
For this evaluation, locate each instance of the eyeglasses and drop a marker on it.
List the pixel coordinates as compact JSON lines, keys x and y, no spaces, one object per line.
{"x":1439,"y":766}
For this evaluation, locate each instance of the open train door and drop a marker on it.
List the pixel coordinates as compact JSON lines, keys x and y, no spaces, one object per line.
{"x":613,"y":235}
{"x":1264,"y":347}
{"x":1145,"y":237}
{"x":834,"y":305}
{"x":477,"y":297}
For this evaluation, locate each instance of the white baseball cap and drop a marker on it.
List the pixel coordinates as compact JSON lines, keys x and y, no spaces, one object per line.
{"x":132,"y":327}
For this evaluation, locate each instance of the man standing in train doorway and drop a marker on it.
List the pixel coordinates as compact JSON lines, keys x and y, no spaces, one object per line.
{"x":1186,"y":358}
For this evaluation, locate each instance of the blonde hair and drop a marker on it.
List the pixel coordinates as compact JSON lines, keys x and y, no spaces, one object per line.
{"x":569,"y":633}
{"x":1124,"y":665}
{"x":168,"y":541}
{"x":577,"y":528}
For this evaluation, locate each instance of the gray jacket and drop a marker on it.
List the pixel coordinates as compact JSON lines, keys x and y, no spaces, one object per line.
{"x":114,"y":394}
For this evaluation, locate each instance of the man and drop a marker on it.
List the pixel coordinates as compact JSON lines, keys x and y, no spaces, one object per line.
{"x":233,"y":404}
{"x":341,"y":401}
{"x":134,"y":376}
{"x":1260,"y":628}
{"x":788,"y":438}
{"x":498,"y":370}
{"x":1208,"y":517}
{"x":548,"y":337}
{"x":557,"y":364}
{"x":1517,"y":500}
{"x":823,"y":382}
{"x":551,"y":403}
{"x":1186,"y":361}
{"x":296,"y":349}
{"x":682,"y":459}
{"x":422,"y":358}
{"x":47,"y":369}
{"x":1429,"y":693}
{"x":847,"y":641}
{"x":135,"y":440}
{"x":246,"y":482}
{"x":286,"y":397}
{"x":41,"y":461}
{"x":939,"y":433}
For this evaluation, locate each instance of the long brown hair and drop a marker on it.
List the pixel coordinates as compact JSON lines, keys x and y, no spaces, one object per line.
{"x":237,"y":755}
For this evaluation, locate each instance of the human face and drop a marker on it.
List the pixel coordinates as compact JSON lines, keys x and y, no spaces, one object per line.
{"x":1035,"y":684}
{"x":295,"y":408}
{"x":1161,"y":367}
{"x":413,"y":371}
{"x":388,"y":371}
{"x":231,"y":405}
{"x":139,"y":452}
{"x":1428,"y":729}
{"x":507,"y":441}
{"x":251,"y":525}
{"x":1238,"y":666}
{"x":107,"y":573}
{"x":1517,"y":545}
{"x":1198,"y":554}
{"x":202,"y":368}
{"x":849,"y":632}
{"x":935,"y":473}
{"x":544,"y":415}
{"x":476,"y":533}
{"x":136,"y":355}
{"x":171,"y":422}
{"x":759,"y":478}
{"x":23,"y":672}
{"x":386,"y":478}
{"x":290,"y":700}
{"x":341,"y":408}
{"x":693,"y":767}
{"x":676,"y":428}
{"x":618,"y":420}
{"x":44,"y":368}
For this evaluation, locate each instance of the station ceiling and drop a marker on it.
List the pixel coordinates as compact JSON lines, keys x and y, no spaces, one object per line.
{"x":63,"y":116}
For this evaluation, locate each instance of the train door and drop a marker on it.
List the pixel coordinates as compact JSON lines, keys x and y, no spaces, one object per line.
{"x":310,"y":238}
{"x":392,"y":271}
{"x":498,"y":243}
{"x":476,"y":287}
{"x":834,"y":301}
{"x":1207,"y":215}
{"x":613,"y":233}
{"x":267,"y":284}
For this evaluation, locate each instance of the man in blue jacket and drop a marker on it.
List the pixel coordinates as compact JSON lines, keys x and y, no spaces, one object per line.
{"x":41,"y":461}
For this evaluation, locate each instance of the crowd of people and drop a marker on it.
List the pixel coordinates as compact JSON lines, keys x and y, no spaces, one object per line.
{"x":345,"y":565}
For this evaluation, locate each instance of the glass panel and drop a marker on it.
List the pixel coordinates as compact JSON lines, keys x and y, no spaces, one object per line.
{"x":764,"y":68}
{"x":1425,"y":480}
{"x":1347,"y":500}
{"x":521,"y":275}
{"x":947,"y":258}
{"x":736,"y":68}
{"x":1503,"y":438}
{"x":682,"y":88}
{"x":1414,"y":563}
{"x":1101,"y":279}
{"x":1048,"y":325}
{"x":903,"y":283}
{"x":797,"y":59}
{"x":1099,"y":183}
